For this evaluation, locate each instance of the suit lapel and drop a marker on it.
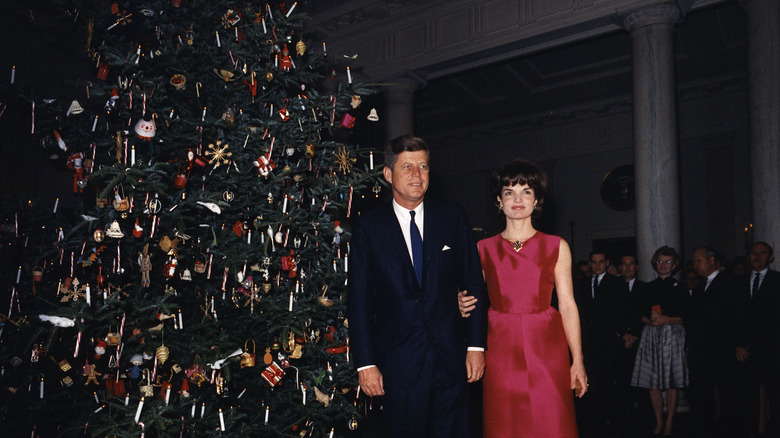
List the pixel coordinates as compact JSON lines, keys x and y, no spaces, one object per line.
{"x":432,"y":241}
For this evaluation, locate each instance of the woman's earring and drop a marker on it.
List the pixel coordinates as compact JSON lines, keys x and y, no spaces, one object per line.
{"x":500,"y":207}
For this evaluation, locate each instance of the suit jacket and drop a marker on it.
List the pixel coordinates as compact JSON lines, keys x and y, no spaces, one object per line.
{"x":392,"y":319}
{"x":635,"y":307}
{"x":759,"y":315}
{"x":710,"y":325}
{"x":603,"y":317}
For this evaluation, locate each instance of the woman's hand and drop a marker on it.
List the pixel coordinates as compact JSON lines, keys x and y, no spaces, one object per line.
{"x":579,"y":380}
{"x":466,"y":303}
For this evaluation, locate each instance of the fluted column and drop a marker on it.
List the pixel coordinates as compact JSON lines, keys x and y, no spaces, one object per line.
{"x":763,"y":28}
{"x":399,"y":107}
{"x":655,"y":131}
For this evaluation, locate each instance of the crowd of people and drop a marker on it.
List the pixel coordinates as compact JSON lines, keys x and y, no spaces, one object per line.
{"x":713,"y":335}
{"x":564,"y":351}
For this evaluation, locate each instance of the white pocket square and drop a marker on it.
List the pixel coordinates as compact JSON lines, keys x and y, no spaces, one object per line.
{"x":446,"y":248}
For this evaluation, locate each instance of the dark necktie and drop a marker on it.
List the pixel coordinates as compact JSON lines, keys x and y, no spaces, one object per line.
{"x":417,"y":249}
{"x":595,"y":284}
{"x":756,"y":281}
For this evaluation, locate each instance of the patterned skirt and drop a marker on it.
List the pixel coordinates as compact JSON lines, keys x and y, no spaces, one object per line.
{"x":660,"y":359}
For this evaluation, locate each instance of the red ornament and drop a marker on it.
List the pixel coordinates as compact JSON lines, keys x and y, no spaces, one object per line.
{"x":348,"y":121}
{"x":75,"y":163}
{"x":238,"y":228}
{"x":285,"y":62}
{"x":252,"y":84}
{"x":264,"y":164}
{"x":273,"y":374}
{"x":137,"y":230}
{"x":102,"y":72}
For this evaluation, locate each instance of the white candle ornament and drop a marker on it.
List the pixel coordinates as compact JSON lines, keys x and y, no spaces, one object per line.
{"x":221,"y":421}
{"x":291,"y":9}
{"x":138,"y":411}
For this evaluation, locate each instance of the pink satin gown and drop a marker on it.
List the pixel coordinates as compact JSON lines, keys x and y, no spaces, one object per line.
{"x":526,"y":384}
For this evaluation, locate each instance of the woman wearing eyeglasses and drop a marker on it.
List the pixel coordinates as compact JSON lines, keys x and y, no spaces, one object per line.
{"x":660,"y":360}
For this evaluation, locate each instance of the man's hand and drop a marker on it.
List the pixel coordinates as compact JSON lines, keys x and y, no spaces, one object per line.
{"x":742,"y":354}
{"x":475,"y":365}
{"x":466,"y":304}
{"x":370,"y":380}
{"x":629,"y":339}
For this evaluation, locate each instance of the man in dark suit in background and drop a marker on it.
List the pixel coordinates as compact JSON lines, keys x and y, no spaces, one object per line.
{"x":636,"y":291}
{"x":408,"y":341}
{"x":602,"y":301}
{"x":709,"y":342}
{"x":757,"y":350}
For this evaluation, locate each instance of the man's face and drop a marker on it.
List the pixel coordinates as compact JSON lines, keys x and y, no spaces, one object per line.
{"x":702,"y":263}
{"x":598,"y":263}
{"x":760,"y":257}
{"x":628,"y":267}
{"x":691,"y":280}
{"x":409,"y":178}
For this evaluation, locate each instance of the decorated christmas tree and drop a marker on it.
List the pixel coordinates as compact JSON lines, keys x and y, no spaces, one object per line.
{"x":199,"y":288}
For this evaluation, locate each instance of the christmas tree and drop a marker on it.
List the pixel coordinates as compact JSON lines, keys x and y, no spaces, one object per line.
{"x":199,"y":289}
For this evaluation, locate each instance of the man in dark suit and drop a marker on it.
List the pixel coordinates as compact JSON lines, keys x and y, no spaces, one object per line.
{"x":636,"y":291}
{"x":709,"y":342}
{"x":408,"y":341}
{"x":756,"y":349}
{"x":602,"y":301}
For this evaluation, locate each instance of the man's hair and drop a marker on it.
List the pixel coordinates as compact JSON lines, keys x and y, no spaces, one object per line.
{"x":520,"y":171}
{"x":404,"y":143}
{"x":628,"y":255}
{"x":598,"y":251}
{"x":771,"y":250}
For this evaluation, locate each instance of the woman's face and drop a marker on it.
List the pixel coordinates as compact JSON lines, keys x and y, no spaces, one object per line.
{"x":665,"y":266}
{"x":518,"y":201}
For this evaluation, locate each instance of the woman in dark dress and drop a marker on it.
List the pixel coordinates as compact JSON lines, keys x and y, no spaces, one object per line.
{"x":660,"y":360}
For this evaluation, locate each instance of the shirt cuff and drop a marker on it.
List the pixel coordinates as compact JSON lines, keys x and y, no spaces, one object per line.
{"x":366,"y":367}
{"x":475,"y":349}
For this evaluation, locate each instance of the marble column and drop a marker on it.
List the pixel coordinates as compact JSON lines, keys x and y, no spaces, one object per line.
{"x":399,"y":107}
{"x":763,"y":28}
{"x":657,"y":184}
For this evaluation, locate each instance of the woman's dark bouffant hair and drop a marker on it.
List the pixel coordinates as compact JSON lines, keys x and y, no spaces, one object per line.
{"x":665,"y":251}
{"x":520,"y":171}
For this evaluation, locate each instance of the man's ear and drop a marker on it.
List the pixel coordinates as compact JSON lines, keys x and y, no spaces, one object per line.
{"x":388,"y":173}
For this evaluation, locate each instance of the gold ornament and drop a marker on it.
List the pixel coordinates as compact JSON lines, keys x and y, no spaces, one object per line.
{"x":162,"y":353}
{"x":219,"y":154}
{"x":345,"y":160}
{"x":170,"y":247}
{"x":98,"y":235}
{"x":300,"y":47}
{"x":321,"y":396}
{"x":225,"y":75}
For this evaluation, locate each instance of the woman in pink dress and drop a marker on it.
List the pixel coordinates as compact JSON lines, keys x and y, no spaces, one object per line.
{"x":529,"y":376}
